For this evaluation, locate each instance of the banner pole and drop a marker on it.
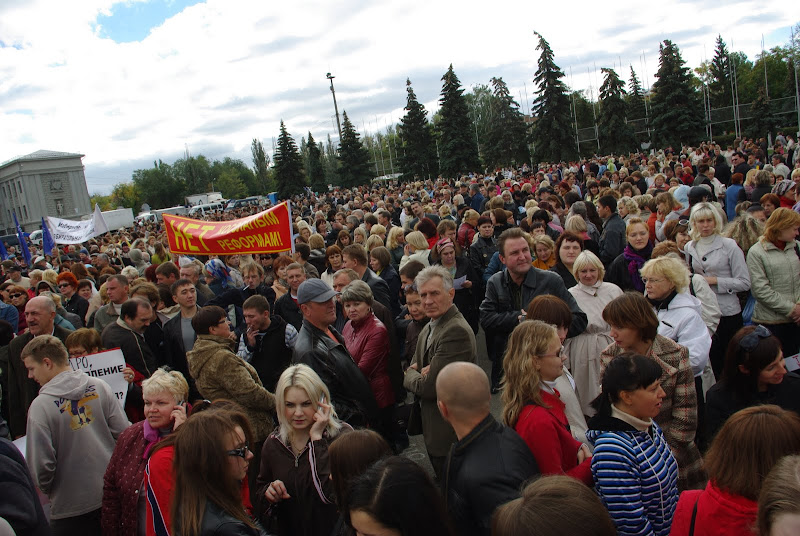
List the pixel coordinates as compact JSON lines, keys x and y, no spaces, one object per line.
{"x":289,"y":208}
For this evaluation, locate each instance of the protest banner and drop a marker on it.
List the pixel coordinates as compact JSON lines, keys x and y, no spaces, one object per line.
{"x":266,"y":232}
{"x":108,"y":367}
{"x":75,"y":232}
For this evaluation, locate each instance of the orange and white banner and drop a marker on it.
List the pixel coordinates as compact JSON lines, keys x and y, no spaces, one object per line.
{"x":266,"y":232}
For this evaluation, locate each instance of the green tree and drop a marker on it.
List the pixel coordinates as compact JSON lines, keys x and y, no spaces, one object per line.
{"x":105,"y":201}
{"x":314,"y":170}
{"x":677,"y":110}
{"x":330,"y":163}
{"x":288,"y":166}
{"x":584,"y":114}
{"x":418,"y":155}
{"x":261,"y":165}
{"x":457,"y":149}
{"x":719,"y":87}
{"x":160,"y":186}
{"x":125,"y":194}
{"x":506,"y":141}
{"x":354,"y":168}
{"x":480,"y":102}
{"x":553,"y":127}
{"x":230,"y":185}
{"x":237,"y":169}
{"x":616,"y":136}
{"x":194,"y":172}
{"x":762,"y":120}
{"x":635,"y":98}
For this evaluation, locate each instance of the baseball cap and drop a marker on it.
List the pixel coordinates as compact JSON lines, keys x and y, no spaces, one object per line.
{"x":314,"y":290}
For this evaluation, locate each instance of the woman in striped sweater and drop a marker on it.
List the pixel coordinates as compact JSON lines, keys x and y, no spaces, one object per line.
{"x":633,"y":469}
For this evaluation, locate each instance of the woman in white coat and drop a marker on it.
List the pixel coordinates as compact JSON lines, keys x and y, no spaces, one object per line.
{"x":583,"y":351}
{"x":721,"y":262}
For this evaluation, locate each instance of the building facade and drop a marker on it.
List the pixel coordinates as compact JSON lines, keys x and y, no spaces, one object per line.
{"x":44,"y":183}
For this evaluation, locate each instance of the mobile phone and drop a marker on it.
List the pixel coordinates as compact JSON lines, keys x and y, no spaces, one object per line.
{"x":322,"y":399}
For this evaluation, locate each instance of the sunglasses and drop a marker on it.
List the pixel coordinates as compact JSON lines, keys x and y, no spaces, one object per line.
{"x":241,"y":452}
{"x":12,"y":296}
{"x":750,"y":341}
{"x":685,"y":223}
{"x":64,"y":285}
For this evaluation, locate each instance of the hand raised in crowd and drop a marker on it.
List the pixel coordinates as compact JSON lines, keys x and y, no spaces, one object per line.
{"x":178,"y":416}
{"x":321,"y":419}
{"x":128,"y":374}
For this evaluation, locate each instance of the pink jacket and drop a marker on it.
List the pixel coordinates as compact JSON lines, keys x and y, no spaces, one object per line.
{"x":368,"y":343}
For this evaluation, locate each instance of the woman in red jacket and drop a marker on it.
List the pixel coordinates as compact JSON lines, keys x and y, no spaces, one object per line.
{"x":533,"y":407}
{"x":367,"y":340}
{"x":747,"y":447}
{"x":164,"y":396}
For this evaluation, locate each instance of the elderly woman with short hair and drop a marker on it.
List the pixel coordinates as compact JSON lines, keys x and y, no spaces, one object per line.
{"x":416,"y":249}
{"x":721,"y":262}
{"x":165,"y":394}
{"x":592,"y":295}
{"x":367,"y":340}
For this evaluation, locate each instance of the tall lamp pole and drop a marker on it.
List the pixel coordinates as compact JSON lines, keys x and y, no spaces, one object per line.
{"x":330,"y":77}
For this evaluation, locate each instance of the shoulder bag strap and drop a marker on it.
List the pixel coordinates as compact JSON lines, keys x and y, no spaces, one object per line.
{"x":694,"y":516}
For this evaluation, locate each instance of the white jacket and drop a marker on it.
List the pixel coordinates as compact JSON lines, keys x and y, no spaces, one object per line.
{"x":725,"y":261}
{"x":681,"y":321}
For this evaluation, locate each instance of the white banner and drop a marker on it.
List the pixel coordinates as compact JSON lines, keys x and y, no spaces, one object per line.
{"x":75,"y":232}
{"x":107,"y":366}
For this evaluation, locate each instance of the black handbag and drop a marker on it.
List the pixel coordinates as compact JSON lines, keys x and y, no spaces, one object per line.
{"x":414,"y":423}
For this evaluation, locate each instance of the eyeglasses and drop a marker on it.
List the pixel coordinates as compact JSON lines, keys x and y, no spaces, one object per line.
{"x":12,"y":296}
{"x":685,"y":223}
{"x":241,"y":452}
{"x":64,"y":285}
{"x":222,"y":322}
{"x":750,"y":341}
{"x":646,"y":281}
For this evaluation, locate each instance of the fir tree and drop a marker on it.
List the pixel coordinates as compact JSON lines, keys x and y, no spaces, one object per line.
{"x":636,"y":106}
{"x":719,"y":89}
{"x":677,"y":112}
{"x":418,"y":154}
{"x":506,"y":141}
{"x":288,"y":166}
{"x":763,"y":120}
{"x":616,"y":136}
{"x":553,"y":135}
{"x":458,"y":151}
{"x":353,"y":157}
{"x":316,"y":175}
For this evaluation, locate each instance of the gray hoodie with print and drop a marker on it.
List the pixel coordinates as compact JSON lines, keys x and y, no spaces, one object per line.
{"x":73,"y":427}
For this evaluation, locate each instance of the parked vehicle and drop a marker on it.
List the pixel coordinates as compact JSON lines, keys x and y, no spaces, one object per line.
{"x":199,"y":211}
{"x":203,"y":199}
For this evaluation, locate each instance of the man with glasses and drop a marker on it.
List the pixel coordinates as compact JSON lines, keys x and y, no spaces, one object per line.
{"x":739,"y":163}
{"x":72,"y":301}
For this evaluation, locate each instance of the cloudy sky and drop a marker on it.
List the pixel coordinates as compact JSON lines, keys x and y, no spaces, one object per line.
{"x":128,"y":82}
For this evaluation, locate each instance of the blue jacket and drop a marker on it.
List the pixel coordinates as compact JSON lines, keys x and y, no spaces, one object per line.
{"x":10,"y":314}
{"x":635,"y":476}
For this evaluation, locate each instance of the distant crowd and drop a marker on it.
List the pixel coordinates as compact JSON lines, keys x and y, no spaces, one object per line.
{"x":639,"y":314}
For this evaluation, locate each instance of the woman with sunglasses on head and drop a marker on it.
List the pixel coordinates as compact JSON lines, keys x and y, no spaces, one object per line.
{"x":754,"y":374}
{"x":774,"y":264}
{"x":532,"y":405}
{"x":722,"y":263}
{"x":295,"y":492}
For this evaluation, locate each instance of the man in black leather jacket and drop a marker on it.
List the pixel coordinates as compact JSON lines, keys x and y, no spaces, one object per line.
{"x":322,"y":348}
{"x":490,"y":463}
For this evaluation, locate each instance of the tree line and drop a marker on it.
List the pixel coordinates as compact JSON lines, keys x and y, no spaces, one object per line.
{"x":486,"y":128}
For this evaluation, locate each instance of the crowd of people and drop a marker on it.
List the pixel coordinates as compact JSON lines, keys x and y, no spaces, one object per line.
{"x":635,"y":311}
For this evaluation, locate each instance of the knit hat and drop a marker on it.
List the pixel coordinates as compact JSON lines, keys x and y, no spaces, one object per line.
{"x":444,"y":243}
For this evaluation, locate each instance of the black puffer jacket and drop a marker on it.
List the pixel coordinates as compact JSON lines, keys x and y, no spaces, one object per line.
{"x":486,"y":468}
{"x":217,"y":522}
{"x":351,"y":394}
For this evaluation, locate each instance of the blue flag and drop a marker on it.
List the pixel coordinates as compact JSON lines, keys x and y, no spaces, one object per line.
{"x":23,"y":245}
{"x":48,"y":244}
{"x":3,"y":252}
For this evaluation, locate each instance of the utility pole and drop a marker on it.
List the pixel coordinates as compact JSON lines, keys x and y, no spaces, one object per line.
{"x":330,"y":77}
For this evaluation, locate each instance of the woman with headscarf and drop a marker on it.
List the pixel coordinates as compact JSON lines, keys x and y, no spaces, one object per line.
{"x":218,"y":276}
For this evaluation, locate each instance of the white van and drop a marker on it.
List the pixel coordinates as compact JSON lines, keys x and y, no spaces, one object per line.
{"x":199,"y":211}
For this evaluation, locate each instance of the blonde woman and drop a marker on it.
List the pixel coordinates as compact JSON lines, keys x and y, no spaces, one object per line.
{"x":395,"y":243}
{"x":294,"y":482}
{"x":532,"y":406}
{"x":416,"y":249}
{"x":628,"y":208}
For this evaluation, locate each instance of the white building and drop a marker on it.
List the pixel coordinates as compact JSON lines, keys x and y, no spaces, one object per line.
{"x":44,"y":183}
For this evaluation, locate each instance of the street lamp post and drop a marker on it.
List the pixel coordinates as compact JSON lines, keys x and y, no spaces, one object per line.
{"x":330,"y":77}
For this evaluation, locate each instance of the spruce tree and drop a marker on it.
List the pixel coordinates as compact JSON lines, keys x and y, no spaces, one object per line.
{"x":719,"y":89}
{"x":616,"y":136}
{"x":458,"y":150}
{"x":636,"y":106}
{"x":316,"y":175}
{"x":417,"y":157}
{"x":553,"y":135}
{"x":353,"y":157}
{"x":288,"y":166}
{"x":763,"y":120}
{"x":507,"y":139}
{"x":677,"y":111}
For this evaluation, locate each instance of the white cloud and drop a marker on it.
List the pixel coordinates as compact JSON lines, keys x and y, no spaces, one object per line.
{"x":220,"y":73}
